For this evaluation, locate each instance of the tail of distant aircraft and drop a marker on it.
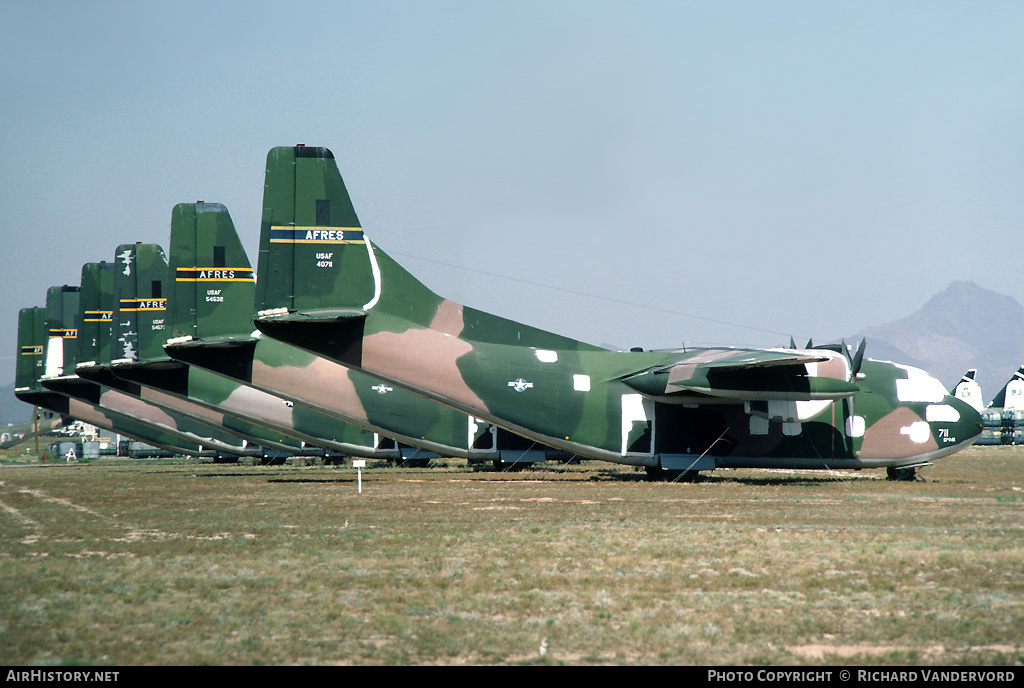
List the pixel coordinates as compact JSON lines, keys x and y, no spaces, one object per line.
{"x":97,"y":294}
{"x":316,"y":263}
{"x":969,"y":391}
{"x":140,"y":302}
{"x":1011,"y":396}
{"x":31,"y":348}
{"x":214,"y":285}
{"x":31,"y":365}
{"x":62,"y":330}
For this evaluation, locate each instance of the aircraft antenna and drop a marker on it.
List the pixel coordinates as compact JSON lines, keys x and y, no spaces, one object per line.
{"x":596,"y":296}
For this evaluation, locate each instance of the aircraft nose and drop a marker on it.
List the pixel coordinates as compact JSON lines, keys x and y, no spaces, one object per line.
{"x":958,"y":429}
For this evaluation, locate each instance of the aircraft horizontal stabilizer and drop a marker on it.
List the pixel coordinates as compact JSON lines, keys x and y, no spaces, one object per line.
{"x":231,"y":342}
{"x":321,"y":315}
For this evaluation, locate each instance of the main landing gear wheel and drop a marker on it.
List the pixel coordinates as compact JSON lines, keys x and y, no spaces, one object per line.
{"x":904,"y":473}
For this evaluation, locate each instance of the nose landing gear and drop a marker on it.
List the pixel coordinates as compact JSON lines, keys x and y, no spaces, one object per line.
{"x":904,"y":473}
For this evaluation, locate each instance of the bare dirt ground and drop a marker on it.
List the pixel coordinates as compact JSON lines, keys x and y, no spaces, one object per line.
{"x":180,"y":562}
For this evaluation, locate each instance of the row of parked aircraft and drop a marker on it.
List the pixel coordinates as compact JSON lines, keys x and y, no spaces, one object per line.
{"x":1003,"y":417}
{"x":337,"y":349}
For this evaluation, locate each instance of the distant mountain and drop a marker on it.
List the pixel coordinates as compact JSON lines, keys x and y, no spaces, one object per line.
{"x":963,"y":327}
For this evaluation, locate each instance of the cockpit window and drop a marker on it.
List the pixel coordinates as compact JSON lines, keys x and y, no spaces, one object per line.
{"x":919,"y":386}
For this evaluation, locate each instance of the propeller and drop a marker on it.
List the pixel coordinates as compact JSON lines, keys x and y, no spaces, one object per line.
{"x":857,"y":359}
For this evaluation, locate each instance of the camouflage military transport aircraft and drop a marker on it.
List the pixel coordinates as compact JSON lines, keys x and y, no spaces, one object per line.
{"x":324,"y":287}
{"x":212,"y":329}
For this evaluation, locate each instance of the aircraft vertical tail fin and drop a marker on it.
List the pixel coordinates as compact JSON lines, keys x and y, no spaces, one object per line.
{"x":969,"y":391}
{"x":314,"y":256}
{"x":1011,"y":396}
{"x":33,"y":342}
{"x":97,"y":295}
{"x":62,"y":330}
{"x":140,"y":302}
{"x":316,"y":263}
{"x":31,"y":349}
{"x":213,"y":286}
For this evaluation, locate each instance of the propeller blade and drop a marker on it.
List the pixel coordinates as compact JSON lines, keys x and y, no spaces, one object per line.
{"x":858,"y":357}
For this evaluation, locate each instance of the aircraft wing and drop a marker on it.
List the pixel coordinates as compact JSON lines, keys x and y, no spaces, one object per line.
{"x":749,"y":375}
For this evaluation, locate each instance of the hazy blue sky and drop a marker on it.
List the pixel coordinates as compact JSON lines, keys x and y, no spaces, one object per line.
{"x":806,"y":168}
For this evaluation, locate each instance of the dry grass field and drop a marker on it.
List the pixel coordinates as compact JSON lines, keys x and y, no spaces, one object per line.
{"x":180,"y":562}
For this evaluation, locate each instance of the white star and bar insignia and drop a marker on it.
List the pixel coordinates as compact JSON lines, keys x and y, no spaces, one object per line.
{"x":520,"y":385}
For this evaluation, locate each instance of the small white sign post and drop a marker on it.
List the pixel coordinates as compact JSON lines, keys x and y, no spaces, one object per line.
{"x":358,"y":465}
